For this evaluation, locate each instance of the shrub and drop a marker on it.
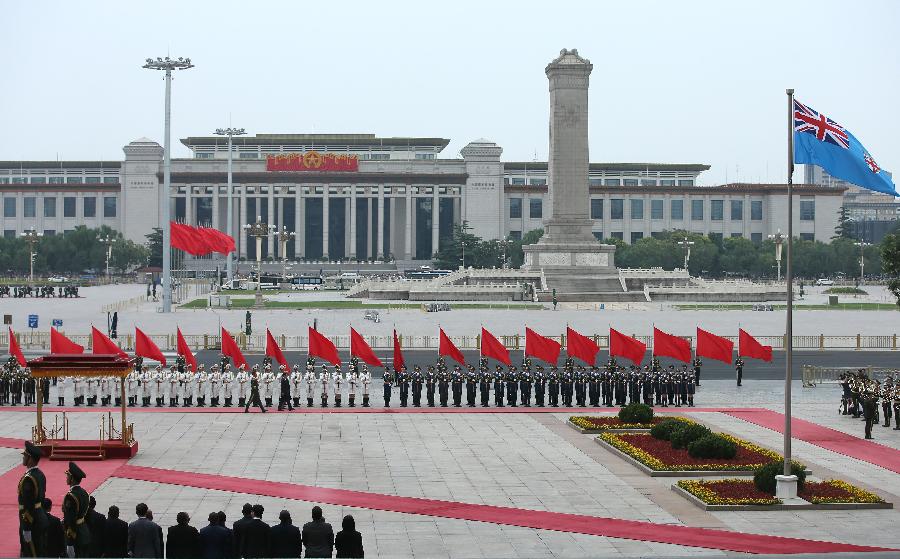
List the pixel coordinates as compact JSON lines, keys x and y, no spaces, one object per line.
{"x":764,"y":476}
{"x":664,"y":429}
{"x":636,"y":413}
{"x":712,"y":446}
{"x":688,"y":434}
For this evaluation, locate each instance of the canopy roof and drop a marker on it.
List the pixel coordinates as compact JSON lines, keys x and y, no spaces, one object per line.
{"x":81,"y":365}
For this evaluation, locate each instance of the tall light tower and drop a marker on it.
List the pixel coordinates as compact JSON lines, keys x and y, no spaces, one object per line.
{"x":778,"y":239}
{"x":108,"y":241}
{"x":686,"y":245}
{"x":31,"y":237}
{"x":167,"y":64}
{"x":261,"y":231}
{"x":862,"y":260}
{"x":230,"y":133}
{"x":283,"y":237}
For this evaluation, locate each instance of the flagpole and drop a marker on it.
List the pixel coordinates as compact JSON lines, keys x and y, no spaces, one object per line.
{"x":786,"y":486}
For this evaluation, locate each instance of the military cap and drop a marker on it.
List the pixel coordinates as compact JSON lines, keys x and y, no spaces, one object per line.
{"x":76,"y":472}
{"x":32,"y":450}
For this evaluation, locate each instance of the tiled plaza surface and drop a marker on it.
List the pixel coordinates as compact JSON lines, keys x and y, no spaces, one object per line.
{"x":526,"y":460}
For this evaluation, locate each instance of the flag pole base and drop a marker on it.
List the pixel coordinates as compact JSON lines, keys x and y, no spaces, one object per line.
{"x":786,"y":487}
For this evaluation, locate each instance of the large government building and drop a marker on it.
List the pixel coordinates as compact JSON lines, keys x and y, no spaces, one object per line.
{"x":358,"y":196}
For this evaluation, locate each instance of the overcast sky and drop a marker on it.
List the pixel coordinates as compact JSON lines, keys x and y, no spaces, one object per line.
{"x":674,"y":82}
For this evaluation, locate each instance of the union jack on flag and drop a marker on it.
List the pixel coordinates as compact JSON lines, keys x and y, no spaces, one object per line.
{"x":810,"y":121}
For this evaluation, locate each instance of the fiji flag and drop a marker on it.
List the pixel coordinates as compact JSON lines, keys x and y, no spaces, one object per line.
{"x":818,"y":140}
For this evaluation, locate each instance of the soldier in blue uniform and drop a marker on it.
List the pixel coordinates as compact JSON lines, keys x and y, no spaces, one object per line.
{"x":443,"y":383}
{"x":646,"y":384}
{"x":484,"y":382}
{"x":498,"y":386}
{"x":697,"y":363}
{"x":430,"y":383}
{"x":75,"y":508}
{"x":417,"y":380}
{"x":739,"y":369}
{"x":594,"y":386}
{"x":512,"y":386}
{"x":580,"y":385}
{"x":553,"y":387}
{"x":387,"y":380}
{"x":471,"y":385}
{"x":540,"y":385}
{"x":525,"y":379}
{"x":403,"y":383}
{"x":32,"y":517}
{"x":566,"y":382}
{"x":456,"y":385}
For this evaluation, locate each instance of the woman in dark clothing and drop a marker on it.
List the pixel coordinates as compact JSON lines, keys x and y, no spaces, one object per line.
{"x":348,"y":542}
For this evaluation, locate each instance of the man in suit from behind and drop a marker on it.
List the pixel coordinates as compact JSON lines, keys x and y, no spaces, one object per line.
{"x":115,"y":537}
{"x":285,"y":538}
{"x":56,"y":537}
{"x":144,"y":535}
{"x":232,"y":550}
{"x":255,"y":539}
{"x":183,"y":540}
{"x":215,"y":541}
{"x":239,"y":525}
{"x":318,"y":536}
{"x":97,"y":526}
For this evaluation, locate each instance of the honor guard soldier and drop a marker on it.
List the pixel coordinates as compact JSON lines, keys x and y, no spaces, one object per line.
{"x":143,"y":380}
{"x":366,"y":380}
{"x":498,"y":381}
{"x":296,"y":384}
{"x":739,"y":369}
{"x":64,"y":384}
{"x":567,"y":381}
{"x":672,"y":385}
{"x":430,"y":385}
{"x":647,"y":387}
{"x":594,"y":386}
{"x":580,"y":391}
{"x":869,"y":396}
{"x":484,"y":382}
{"x":75,"y":508}
{"x":697,"y":364}
{"x":895,"y":396}
{"x":352,"y":381}
{"x":691,"y":389}
{"x":241,"y":379}
{"x":254,"y":392}
{"x":130,"y":386}
{"x":443,"y":384}
{"x":173,"y":387}
{"x":403,"y":385}
{"x":887,"y":390}
{"x":338,"y":382}
{"x":471,"y":385}
{"x":456,"y":386}
{"x":525,"y":380}
{"x":201,"y":385}
{"x":325,"y":383}
{"x":284,"y":393}
{"x":215,"y":384}
{"x":606,"y":385}
{"x":117,"y":390}
{"x":310,"y":378}
{"x":32,"y":517}
{"x":268,"y":383}
{"x":553,"y":386}
{"x":512,"y":386}
{"x":387,"y":381}
{"x":540,"y":385}
{"x":417,"y":380}
{"x":90,"y":390}
{"x":227,"y":385}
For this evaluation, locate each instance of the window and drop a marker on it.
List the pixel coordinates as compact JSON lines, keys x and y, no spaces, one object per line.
{"x":110,"y":180}
{"x":517,"y":181}
{"x":69,"y":206}
{"x":736,"y":235}
{"x":737,"y":210}
{"x":109,"y":206}
{"x":636,"y":236}
{"x":57,"y":180}
{"x":49,"y":207}
{"x":49,"y":232}
{"x":637,"y":209}
{"x":617,"y":235}
{"x":756,"y":210}
{"x":685,"y":182}
{"x":28,"y":204}
{"x":595,"y":182}
{"x":19,"y":180}
{"x":9,"y":233}
{"x":535,"y":208}
{"x":515,"y":208}
{"x":807,"y":210}
{"x":4,"y":180}
{"x":537,"y":182}
{"x":598,"y":235}
{"x":697,"y":210}
{"x":90,"y":206}
{"x":515,"y":235}
{"x":248,"y":156}
{"x":203,"y":156}
{"x":716,"y":209}
{"x":92,"y":180}
{"x":424,"y":156}
{"x":676,"y":208}
{"x":656,"y":209}
{"x":596,"y":208}
{"x":612,"y":182}
{"x":9,"y":207}
{"x":616,"y":208}
{"x":73,"y":180}
{"x":38,"y":180}
{"x":648,"y":182}
{"x":807,"y":236}
{"x":379,"y":156}
{"x":716,"y":238}
{"x":631,"y":182}
{"x":756,"y":238}
{"x":667,"y":182}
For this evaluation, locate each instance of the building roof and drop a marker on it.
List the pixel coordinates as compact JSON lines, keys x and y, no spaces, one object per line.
{"x":358,"y":140}
{"x":730,"y":188}
{"x":60,"y":164}
{"x":542,"y":165}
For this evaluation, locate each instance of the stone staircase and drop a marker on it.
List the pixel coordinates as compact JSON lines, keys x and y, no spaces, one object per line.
{"x":77,"y":451}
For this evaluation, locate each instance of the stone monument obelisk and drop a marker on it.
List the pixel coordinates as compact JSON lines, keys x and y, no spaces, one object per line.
{"x":572,"y":260}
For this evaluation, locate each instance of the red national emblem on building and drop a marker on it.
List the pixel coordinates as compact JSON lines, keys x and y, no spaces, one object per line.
{"x":871,"y":163}
{"x":312,"y":161}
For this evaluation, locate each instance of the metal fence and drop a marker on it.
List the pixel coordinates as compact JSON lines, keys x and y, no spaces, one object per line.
{"x":813,"y":374}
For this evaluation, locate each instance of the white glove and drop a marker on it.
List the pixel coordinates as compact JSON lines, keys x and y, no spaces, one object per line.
{"x":26,"y":535}
{"x":70,"y":551}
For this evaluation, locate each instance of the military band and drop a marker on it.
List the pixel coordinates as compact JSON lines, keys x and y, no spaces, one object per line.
{"x":861,"y":395}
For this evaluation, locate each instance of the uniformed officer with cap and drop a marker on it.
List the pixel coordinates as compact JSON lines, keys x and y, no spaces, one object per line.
{"x":32,"y":517}
{"x":75,"y":508}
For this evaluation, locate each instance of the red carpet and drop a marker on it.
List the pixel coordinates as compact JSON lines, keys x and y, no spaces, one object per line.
{"x":590,"y":525}
{"x":829,"y":439}
{"x":97,"y":473}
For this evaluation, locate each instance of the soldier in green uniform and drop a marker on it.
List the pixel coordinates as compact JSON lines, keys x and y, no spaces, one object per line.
{"x":32,"y":517}
{"x":254,"y":393}
{"x":75,"y":507}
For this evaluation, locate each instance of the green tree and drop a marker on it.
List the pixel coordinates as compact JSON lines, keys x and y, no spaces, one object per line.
{"x":154,"y":246}
{"x":516,"y":254}
{"x":890,"y":263}
{"x":842,"y":230}
{"x":740,"y":256}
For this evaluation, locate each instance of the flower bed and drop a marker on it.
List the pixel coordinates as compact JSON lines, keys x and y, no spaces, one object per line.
{"x":611,"y":422}
{"x":835,"y":491}
{"x":659,"y":455}
{"x":727,"y":492}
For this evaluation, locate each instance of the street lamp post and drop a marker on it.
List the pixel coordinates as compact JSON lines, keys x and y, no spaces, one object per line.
{"x":167,"y":65}
{"x":778,"y":239}
{"x":108,"y":241}
{"x":686,"y":245}
{"x":283,"y":237}
{"x":261,"y":231}
{"x":230,"y":132}
{"x":31,"y":237}
{"x":862,"y":260}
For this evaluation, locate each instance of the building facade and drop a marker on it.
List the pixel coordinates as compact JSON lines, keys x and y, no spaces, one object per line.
{"x":358,"y":196}
{"x":871,"y":215}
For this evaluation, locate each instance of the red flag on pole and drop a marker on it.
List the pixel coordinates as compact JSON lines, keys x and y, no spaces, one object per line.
{"x":361,"y":349}
{"x":398,"y":353}
{"x":231,"y":349}
{"x":186,"y":238}
{"x":748,"y":346}
{"x":491,"y":347}
{"x":667,"y":345}
{"x":103,"y":345}
{"x":272,"y":349}
{"x":714,"y":347}
{"x":144,"y":347}
{"x":621,"y":345}
{"x":62,"y":344}
{"x":320,"y":346}
{"x":540,"y":347}
{"x":184,"y":350}
{"x":14,"y":348}
{"x":446,"y":347}
{"x":217,"y":240}
{"x":580,"y":346}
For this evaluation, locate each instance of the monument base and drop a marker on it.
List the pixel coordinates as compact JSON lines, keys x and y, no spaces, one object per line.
{"x":575,"y":267}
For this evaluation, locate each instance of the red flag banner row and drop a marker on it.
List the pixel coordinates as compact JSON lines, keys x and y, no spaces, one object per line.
{"x":199,"y":241}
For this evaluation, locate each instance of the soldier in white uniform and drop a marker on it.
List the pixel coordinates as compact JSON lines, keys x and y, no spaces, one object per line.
{"x":201,"y":384}
{"x":242,"y":378}
{"x":296,"y":384}
{"x":310,"y":378}
{"x":145,"y":382}
{"x":89,"y":390}
{"x":117,"y":390}
{"x":103,"y":386}
{"x":63,"y":385}
{"x":366,"y":380}
{"x":227,"y":385}
{"x":184,"y":387}
{"x":268,"y":379}
{"x":172,"y":377}
{"x":338,"y":382}
{"x":325,"y":382}
{"x":158,"y":386}
{"x":213,"y":380}
{"x":77,"y":390}
{"x":352,"y":383}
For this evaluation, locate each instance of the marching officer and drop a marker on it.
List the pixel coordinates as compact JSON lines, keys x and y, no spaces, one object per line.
{"x":739,"y":369}
{"x":32,"y":517}
{"x":75,"y":508}
{"x":284,"y":397}
{"x":254,"y":392}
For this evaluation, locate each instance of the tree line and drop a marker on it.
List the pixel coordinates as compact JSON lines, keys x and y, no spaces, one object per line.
{"x":72,"y":252}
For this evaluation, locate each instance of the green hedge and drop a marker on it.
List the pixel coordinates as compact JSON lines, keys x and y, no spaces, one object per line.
{"x":764,"y":476}
{"x":688,"y":434}
{"x":636,"y":413}
{"x":665,"y":428}
{"x":712,"y":446}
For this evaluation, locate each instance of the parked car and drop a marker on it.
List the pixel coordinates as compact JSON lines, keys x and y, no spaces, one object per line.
{"x":57,"y":279}
{"x":824,"y":281}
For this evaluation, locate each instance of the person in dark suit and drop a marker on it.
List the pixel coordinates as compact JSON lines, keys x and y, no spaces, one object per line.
{"x":318,"y":536}
{"x":255,"y":538}
{"x":97,"y":526}
{"x":284,"y":538}
{"x":115,"y":537}
{"x":159,"y":531}
{"x":348,"y":542}
{"x":56,"y":537}
{"x":215,"y":540}
{"x":183,"y":540}
{"x":144,"y":537}
{"x":232,"y":550}
{"x":239,"y":526}
{"x":284,"y":397}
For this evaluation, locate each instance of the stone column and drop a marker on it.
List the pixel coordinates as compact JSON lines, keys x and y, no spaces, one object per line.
{"x":370,"y":239}
{"x":242,"y":214}
{"x":325,"y":222}
{"x":188,"y":203}
{"x":407,"y":239}
{"x":352,"y":252}
{"x":215,"y":207}
{"x":270,"y":220}
{"x":379,"y":250}
{"x":435,"y":218}
{"x":299,"y":224}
